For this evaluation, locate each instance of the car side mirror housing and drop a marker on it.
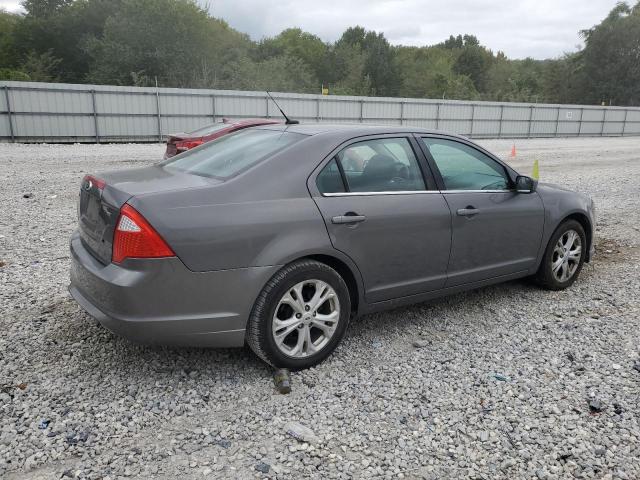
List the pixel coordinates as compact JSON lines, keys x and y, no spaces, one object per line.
{"x":525,"y":184}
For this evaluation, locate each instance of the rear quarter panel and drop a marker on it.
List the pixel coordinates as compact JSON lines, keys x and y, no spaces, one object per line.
{"x":264,"y":216}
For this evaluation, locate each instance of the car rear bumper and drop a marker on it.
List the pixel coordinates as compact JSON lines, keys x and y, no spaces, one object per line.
{"x":160,"y":301}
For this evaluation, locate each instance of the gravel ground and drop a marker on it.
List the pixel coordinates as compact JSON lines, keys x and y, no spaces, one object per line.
{"x":501,"y":388}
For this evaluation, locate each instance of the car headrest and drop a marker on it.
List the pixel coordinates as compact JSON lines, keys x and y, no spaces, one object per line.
{"x":380,"y":166}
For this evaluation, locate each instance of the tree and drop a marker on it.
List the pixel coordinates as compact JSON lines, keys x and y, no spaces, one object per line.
{"x":132,"y":42}
{"x":41,"y":67}
{"x":612,"y":57}
{"x":474,"y":61}
{"x":173,"y":40}
{"x":294,"y":42}
{"x":9,"y":23}
{"x":379,"y":64}
{"x":280,"y":74}
{"x":44,"y":8}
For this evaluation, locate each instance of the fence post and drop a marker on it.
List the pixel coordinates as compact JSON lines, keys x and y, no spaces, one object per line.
{"x":361,"y":110}
{"x":604,"y":118}
{"x":437,"y":116}
{"x":473,"y":116}
{"x":555,"y":134}
{"x":530,"y":121}
{"x":401,"y":112}
{"x":580,"y":124}
{"x":159,"y":115}
{"x":95,"y":115}
{"x":318,"y":109}
{"x":500,"y":124}
{"x":624,"y":122}
{"x":213,"y":107}
{"x":6,"y":96}
{"x":266,"y":105}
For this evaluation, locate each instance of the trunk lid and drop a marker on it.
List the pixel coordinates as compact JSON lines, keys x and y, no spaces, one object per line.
{"x":101,"y":199}
{"x":171,"y":144}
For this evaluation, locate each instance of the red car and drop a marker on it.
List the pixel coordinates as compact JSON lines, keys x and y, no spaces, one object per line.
{"x":181,"y":142}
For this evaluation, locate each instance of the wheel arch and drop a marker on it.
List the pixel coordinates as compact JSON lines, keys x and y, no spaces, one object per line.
{"x":347,"y":274}
{"x":583,"y":220}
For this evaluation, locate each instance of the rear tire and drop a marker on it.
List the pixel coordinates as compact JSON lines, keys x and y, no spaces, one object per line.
{"x":300,"y":316}
{"x":563,"y":258}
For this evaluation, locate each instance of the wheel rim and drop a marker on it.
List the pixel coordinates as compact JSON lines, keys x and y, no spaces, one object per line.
{"x":566,"y":256}
{"x":306,"y":318}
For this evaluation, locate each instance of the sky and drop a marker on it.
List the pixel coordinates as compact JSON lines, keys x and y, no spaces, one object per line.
{"x":520,"y":28}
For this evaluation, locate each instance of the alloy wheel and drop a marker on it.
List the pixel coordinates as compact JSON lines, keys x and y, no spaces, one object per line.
{"x":306,"y":318}
{"x":566,"y":256}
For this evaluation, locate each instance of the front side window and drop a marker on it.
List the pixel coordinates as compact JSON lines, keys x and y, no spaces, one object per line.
{"x":229,"y":154}
{"x":465,"y":168}
{"x":380,"y":165}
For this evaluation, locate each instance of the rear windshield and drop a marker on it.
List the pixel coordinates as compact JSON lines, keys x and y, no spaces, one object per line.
{"x":228,"y":155}
{"x":214,"y":127}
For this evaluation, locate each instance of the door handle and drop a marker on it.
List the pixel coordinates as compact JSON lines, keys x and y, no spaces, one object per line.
{"x":348,"y":219}
{"x":468,"y":212}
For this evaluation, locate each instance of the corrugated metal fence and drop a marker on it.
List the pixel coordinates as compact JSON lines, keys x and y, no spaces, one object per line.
{"x":53,"y":112}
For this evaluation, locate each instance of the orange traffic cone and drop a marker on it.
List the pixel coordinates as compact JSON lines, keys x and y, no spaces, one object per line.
{"x":513,"y":151}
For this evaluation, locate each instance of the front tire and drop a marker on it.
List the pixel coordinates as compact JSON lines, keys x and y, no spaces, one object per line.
{"x":300,"y":316}
{"x":564,"y":257}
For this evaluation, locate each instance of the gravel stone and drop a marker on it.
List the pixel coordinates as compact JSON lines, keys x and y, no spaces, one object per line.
{"x":133,"y":411}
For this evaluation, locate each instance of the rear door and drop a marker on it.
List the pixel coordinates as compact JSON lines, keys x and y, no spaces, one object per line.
{"x":496,"y":230}
{"x":383,"y":211}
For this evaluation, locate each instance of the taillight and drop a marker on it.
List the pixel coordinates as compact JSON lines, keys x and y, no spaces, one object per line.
{"x":89,"y":182}
{"x":188,"y":145}
{"x":136,"y":238}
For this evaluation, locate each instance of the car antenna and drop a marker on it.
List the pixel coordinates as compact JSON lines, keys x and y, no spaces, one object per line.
{"x":288,"y":120}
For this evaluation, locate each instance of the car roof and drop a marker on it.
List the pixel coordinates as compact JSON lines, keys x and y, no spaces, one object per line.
{"x":259,"y":121}
{"x":352,"y":130}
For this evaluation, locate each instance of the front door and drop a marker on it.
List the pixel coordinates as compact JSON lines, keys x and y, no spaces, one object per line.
{"x":380,"y":211}
{"x":495,"y":230}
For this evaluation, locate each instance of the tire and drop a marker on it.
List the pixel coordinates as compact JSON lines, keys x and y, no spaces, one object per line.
{"x":551,"y":278}
{"x":278,"y":305}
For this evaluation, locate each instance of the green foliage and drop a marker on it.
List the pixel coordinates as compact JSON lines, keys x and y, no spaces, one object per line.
{"x":44,"y":8}
{"x":177,"y":42}
{"x":281,"y":74}
{"x":41,"y":67}
{"x":379,"y":69}
{"x":15,"y":75}
{"x":611,"y":57}
{"x":293,"y":42}
{"x":474,"y":62}
{"x":9,"y":23}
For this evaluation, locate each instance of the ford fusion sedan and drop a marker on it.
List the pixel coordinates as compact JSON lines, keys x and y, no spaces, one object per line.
{"x":181,"y":142}
{"x":277,"y":236}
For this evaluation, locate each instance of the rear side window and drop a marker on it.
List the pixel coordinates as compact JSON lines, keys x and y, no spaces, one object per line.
{"x":380,"y":165}
{"x":329,"y":179}
{"x":228,"y":155}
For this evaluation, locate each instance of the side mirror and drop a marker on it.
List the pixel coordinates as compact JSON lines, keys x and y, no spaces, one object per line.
{"x":525,"y":184}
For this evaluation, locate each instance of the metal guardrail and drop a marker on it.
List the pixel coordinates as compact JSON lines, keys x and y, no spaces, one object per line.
{"x":26,"y":123}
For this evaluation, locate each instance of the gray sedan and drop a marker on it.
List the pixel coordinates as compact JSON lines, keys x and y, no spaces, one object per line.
{"x":278,"y":236}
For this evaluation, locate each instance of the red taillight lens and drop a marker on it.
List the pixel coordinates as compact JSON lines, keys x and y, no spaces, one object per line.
{"x":89,"y":181}
{"x":136,"y":238}
{"x":187,"y":145}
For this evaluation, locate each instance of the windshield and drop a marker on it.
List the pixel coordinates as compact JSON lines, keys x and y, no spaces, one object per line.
{"x":214,"y":127}
{"x":228,"y":155}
